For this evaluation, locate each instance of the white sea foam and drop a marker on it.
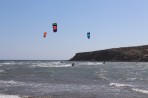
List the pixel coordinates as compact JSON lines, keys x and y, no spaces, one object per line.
{"x":7,"y":63}
{"x":9,"y":96}
{"x":140,"y":90}
{"x":119,"y":85}
{"x":40,"y":65}
{"x":131,"y":78}
{"x":64,"y":65}
{"x":11,"y":83}
{"x":51,"y":64}
{"x":91,"y":63}
{"x":59,"y":64}
{"x":55,"y":63}
{"x":94,"y":63}
{"x":101,"y":76}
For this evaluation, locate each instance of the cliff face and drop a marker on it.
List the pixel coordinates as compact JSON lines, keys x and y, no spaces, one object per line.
{"x":138,"y":53}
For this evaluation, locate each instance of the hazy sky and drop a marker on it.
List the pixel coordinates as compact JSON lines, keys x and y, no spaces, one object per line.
{"x":112,"y":23}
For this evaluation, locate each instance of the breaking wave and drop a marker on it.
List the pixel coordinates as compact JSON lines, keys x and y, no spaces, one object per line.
{"x":11,"y":83}
{"x":51,"y":64}
{"x":91,"y":63}
{"x":140,"y":90}
{"x":9,"y":96}
{"x":119,"y":85}
{"x":130,"y":86}
{"x":95,"y":63}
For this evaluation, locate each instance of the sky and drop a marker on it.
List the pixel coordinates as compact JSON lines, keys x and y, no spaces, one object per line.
{"x":111,"y":23}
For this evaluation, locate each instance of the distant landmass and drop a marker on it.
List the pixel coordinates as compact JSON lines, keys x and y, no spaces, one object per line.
{"x":135,"y":53}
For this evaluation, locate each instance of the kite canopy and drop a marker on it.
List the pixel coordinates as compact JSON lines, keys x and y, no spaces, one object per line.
{"x":88,"y":35}
{"x":45,"y":33}
{"x":54,"y":25}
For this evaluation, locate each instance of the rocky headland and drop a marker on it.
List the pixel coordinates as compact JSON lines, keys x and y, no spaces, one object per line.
{"x":135,"y":53}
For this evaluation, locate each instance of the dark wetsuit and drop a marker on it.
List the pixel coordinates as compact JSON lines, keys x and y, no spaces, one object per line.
{"x":72,"y":64}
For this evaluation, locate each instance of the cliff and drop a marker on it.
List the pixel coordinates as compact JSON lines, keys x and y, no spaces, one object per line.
{"x":136,"y":53}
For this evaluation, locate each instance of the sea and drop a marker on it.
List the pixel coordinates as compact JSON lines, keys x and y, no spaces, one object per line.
{"x":59,"y":79}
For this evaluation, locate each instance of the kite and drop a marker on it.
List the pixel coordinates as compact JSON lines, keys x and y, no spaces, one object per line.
{"x":88,"y":35}
{"x":45,"y":33}
{"x":54,"y":25}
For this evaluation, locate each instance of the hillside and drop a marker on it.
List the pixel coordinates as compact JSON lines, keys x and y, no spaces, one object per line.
{"x":135,"y":53}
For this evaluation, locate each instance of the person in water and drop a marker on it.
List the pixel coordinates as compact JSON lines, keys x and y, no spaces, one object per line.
{"x":72,"y":64}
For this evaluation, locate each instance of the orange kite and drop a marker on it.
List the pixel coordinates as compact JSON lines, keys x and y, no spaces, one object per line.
{"x":45,"y":33}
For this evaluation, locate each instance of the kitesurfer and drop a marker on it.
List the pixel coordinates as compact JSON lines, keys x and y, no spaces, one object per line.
{"x":72,"y":64}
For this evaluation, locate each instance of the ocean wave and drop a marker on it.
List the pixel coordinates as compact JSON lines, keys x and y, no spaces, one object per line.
{"x":132,"y":88}
{"x":119,"y":85}
{"x":7,"y":63}
{"x":11,"y":83}
{"x":66,"y":65}
{"x":140,"y":90}
{"x":90,"y":63}
{"x":50,"y":64}
{"x":9,"y":96}
{"x":131,"y":79}
{"x":102,"y":76}
{"x":94,"y":63}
